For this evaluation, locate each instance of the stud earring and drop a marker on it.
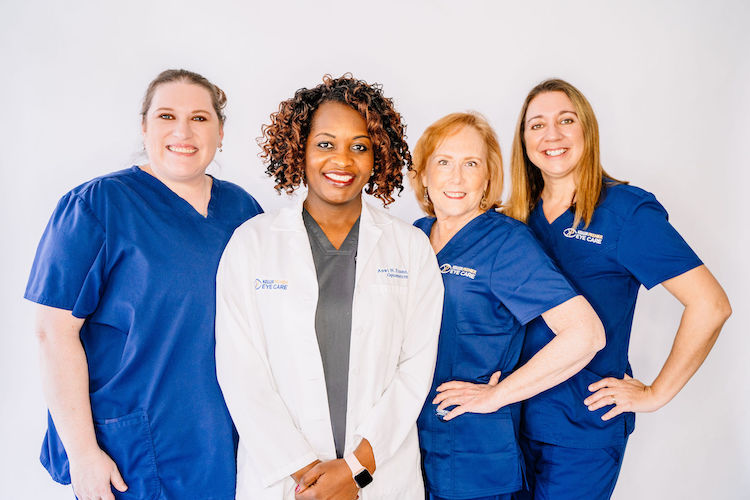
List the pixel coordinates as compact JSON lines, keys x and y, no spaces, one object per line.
{"x":220,"y":150}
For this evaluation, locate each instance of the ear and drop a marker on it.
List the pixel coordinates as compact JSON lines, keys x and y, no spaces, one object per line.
{"x":143,"y":126}
{"x":221,"y":133}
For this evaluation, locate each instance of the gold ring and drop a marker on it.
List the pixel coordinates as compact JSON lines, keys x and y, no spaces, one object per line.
{"x":614,"y":401}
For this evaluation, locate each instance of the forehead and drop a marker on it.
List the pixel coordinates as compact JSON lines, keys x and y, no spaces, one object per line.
{"x":179,"y":95}
{"x":464,"y":141}
{"x":549,"y":103}
{"x":333,"y":115}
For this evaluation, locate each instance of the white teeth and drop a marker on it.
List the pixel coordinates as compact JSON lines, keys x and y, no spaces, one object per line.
{"x":454,"y":194}
{"x":339,"y":177}
{"x":177,"y":149}
{"x":555,"y":152}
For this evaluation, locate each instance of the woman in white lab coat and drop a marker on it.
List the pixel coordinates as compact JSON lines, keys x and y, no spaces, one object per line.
{"x":328,"y":312}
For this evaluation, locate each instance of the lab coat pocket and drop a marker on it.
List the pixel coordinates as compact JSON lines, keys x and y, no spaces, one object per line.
{"x":127,"y":440}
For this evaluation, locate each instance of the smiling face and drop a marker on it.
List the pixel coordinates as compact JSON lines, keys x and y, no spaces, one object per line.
{"x":338,"y":158}
{"x":553,"y":135}
{"x":456,"y":175}
{"x":181,"y":131}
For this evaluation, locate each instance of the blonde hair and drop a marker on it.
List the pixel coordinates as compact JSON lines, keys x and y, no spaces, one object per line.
{"x":435,"y":134}
{"x":527,"y":178}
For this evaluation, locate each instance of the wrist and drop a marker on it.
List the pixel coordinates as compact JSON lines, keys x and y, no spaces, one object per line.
{"x":360,"y":474}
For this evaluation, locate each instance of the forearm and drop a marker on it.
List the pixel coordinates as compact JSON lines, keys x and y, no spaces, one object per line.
{"x":560,"y":359}
{"x":699,"y":328}
{"x":65,"y":382}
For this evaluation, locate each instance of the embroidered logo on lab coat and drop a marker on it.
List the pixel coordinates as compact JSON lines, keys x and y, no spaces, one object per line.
{"x":271,"y":284}
{"x":466,"y":272}
{"x":580,"y":234}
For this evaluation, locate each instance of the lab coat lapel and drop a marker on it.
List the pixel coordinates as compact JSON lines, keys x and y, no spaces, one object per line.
{"x":369,"y":234}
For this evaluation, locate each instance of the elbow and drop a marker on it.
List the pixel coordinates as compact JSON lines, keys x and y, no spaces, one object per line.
{"x":724,"y":310}
{"x":597,"y":337}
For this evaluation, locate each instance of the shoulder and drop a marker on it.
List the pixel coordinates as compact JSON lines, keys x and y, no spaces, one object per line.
{"x":395,"y":225}
{"x":95,"y":195}
{"x":507,"y":228}
{"x":624,"y":198}
{"x":232,"y":193}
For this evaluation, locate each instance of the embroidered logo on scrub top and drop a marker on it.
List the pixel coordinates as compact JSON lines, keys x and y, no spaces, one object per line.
{"x":580,"y":234}
{"x":466,"y":272}
{"x":394,"y":272}
{"x":271,"y":284}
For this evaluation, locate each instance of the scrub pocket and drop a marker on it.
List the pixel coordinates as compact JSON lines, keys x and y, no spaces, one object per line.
{"x":127,"y":440}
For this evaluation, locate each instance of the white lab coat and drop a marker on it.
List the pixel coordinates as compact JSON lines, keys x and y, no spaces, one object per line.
{"x":269,"y":365}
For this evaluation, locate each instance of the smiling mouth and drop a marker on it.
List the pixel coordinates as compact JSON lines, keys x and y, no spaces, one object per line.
{"x":339,"y":179}
{"x":454,"y":195}
{"x":182,"y":149}
{"x":555,"y":152}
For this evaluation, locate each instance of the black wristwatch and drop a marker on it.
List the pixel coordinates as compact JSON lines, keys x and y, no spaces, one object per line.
{"x":360,"y":474}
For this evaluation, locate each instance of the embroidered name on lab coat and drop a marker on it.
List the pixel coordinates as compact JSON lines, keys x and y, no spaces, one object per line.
{"x":394,"y":272}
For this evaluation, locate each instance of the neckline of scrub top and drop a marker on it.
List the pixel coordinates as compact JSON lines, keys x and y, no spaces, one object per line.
{"x":540,"y":207}
{"x":456,"y":239}
{"x":180,"y":202}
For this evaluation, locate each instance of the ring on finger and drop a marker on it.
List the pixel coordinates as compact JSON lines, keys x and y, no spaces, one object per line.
{"x":614,"y":401}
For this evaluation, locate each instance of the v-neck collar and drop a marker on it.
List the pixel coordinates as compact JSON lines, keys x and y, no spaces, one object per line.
{"x":178,"y":202}
{"x":349,"y":244}
{"x":457,"y":239}
{"x":540,"y":208}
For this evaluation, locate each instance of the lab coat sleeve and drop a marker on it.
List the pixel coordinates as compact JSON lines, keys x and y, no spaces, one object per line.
{"x":395,"y":413}
{"x":277,"y":448}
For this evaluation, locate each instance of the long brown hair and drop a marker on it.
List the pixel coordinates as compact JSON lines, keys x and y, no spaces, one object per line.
{"x":527,"y":178}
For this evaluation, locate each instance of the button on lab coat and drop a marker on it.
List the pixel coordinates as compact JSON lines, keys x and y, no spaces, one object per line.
{"x":269,"y":364}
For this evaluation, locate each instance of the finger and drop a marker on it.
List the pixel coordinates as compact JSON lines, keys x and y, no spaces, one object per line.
{"x":117,"y":481}
{"x":455,"y":412}
{"x":626,"y":376}
{"x":605,"y":382}
{"x":495,"y":378}
{"x":612,"y":413}
{"x":310,"y":477}
{"x":450,"y":402}
{"x":605,"y":393}
{"x":454,"y":384}
{"x":601,"y":404}
{"x":452,"y":393}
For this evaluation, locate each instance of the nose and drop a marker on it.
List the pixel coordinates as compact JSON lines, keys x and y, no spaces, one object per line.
{"x":457,"y":174}
{"x":182,"y":129}
{"x":342,"y":159}
{"x":553,"y":132}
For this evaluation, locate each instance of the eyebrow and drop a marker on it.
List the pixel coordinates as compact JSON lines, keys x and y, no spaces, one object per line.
{"x":333,"y":136}
{"x":194,"y":111}
{"x":558,"y":114}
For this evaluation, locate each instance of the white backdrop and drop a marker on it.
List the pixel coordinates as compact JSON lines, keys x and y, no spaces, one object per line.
{"x":669,"y":81}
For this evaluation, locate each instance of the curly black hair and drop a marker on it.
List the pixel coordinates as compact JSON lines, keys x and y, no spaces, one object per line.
{"x":284,"y":139}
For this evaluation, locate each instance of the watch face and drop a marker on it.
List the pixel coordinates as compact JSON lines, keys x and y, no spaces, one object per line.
{"x":363,"y":478}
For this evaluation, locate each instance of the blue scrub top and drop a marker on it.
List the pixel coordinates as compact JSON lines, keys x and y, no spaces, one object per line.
{"x":139,"y":264}
{"x":629,"y":243}
{"x":496,"y":278}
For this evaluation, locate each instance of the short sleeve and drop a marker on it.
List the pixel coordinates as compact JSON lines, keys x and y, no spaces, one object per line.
{"x":68,"y":270}
{"x":525,"y":279}
{"x":650,"y":248}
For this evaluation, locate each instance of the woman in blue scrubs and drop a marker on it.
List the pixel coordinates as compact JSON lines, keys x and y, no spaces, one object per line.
{"x":497,"y":279}
{"x":608,"y":238}
{"x":125,"y":281}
